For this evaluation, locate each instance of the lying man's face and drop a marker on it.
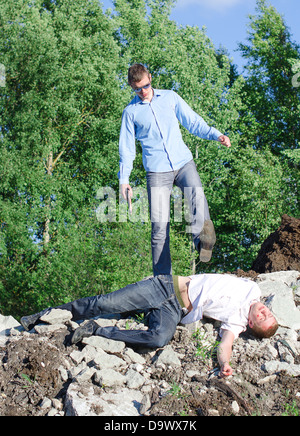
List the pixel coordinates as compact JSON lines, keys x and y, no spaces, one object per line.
{"x":260,"y":316}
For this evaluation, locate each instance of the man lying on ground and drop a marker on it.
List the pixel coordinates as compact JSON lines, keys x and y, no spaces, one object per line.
{"x":170,"y":300}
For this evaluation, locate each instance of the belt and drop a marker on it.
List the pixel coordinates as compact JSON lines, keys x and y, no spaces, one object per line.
{"x":177,"y":291}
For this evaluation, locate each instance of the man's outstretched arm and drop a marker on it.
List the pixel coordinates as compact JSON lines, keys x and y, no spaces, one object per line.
{"x":225,"y":141}
{"x":224,"y":353}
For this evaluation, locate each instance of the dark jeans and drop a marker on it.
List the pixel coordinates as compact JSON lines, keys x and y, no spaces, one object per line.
{"x":155,"y":296}
{"x":159,"y":186}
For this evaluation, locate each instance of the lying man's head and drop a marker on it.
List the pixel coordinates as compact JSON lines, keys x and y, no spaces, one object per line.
{"x":261,"y":321}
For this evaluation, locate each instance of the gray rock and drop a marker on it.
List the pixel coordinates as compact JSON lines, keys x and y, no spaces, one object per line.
{"x":63,"y":373}
{"x":77,"y":356}
{"x":274,"y":366}
{"x":125,"y":402}
{"x":109,"y":378}
{"x":52,"y":412}
{"x":134,"y":357}
{"x":145,"y":404}
{"x":7,"y":325}
{"x":46,"y":403}
{"x":287,"y":277}
{"x":44,"y":329}
{"x":275,"y":288}
{"x":235,"y":407}
{"x":168,"y":357}
{"x":107,"y":361}
{"x":75,"y":370}
{"x":108,"y":345}
{"x":134,"y":379}
{"x":56,"y":316}
{"x":103,"y":322}
{"x":84,"y":375}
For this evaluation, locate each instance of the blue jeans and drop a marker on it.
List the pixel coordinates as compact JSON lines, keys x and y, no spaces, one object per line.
{"x":159,"y":186}
{"x":155,"y":296}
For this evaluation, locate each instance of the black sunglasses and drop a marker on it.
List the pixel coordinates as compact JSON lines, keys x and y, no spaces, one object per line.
{"x":143,"y":87}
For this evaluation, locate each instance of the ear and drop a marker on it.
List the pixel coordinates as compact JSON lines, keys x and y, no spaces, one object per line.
{"x":250,"y":317}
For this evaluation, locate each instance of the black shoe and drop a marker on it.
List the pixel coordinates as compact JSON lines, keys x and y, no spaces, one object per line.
{"x":207,"y":241}
{"x":84,"y":331}
{"x":28,"y":322}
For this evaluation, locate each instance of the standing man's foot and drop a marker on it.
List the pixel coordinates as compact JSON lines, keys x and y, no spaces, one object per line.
{"x":207,"y":241}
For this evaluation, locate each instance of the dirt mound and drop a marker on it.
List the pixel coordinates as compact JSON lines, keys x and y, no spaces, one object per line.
{"x":28,"y":374}
{"x":281,"y":250}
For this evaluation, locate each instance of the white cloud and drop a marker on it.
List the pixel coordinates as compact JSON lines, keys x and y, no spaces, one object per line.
{"x":219,"y":5}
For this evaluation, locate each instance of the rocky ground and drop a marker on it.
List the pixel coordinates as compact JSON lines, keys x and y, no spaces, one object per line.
{"x":42,"y":374}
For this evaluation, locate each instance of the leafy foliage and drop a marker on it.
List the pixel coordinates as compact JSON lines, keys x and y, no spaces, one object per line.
{"x":60,"y":112}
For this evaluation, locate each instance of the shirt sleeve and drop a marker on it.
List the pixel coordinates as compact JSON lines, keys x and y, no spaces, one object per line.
{"x":234,"y":328}
{"x":127,"y":148}
{"x":193,"y":122}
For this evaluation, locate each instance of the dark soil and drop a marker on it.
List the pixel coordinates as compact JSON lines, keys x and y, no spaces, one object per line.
{"x":281,"y":250}
{"x":29,"y":373}
{"x":217,"y":399}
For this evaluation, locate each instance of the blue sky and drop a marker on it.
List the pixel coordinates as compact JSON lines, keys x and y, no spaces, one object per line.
{"x":226,"y":20}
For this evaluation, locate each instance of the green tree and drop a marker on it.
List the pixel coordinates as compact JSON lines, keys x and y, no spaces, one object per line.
{"x":236,"y":181}
{"x":59,"y":116}
{"x":271,"y":95}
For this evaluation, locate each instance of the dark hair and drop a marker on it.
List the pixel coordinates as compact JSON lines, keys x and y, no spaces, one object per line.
{"x":136,"y":72}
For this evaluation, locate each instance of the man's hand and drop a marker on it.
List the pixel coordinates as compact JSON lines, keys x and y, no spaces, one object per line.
{"x":124,"y":188}
{"x":225,"y":141}
{"x":225,"y":370}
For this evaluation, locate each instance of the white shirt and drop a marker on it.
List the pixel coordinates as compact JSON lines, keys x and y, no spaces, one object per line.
{"x":224,"y":298}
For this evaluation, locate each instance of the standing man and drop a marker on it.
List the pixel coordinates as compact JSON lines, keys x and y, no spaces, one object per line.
{"x":152,"y":118}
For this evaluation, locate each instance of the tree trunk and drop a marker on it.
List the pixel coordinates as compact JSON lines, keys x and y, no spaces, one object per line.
{"x":46,"y":234}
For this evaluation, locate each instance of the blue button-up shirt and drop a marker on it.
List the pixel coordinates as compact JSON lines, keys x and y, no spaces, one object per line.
{"x":156,"y":126}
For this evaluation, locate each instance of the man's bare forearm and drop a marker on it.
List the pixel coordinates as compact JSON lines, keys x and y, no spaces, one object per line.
{"x":224,"y":354}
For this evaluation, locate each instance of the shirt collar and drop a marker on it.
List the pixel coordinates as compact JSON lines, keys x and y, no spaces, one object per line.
{"x":156,"y":93}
